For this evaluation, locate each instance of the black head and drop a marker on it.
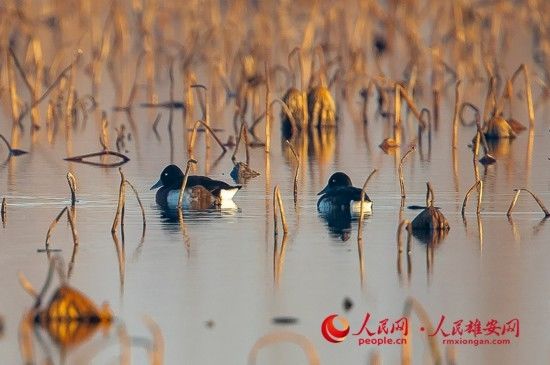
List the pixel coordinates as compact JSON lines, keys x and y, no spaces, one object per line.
{"x":337,"y":180}
{"x":171,"y":176}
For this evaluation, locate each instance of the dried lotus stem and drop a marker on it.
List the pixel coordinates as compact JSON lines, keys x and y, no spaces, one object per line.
{"x":400,"y":170}
{"x":539,"y":202}
{"x":278,"y":202}
{"x":72,"y":185}
{"x":184,"y":182}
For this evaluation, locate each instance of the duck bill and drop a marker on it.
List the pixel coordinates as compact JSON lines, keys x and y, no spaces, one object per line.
{"x":157,"y":185}
{"x":323,"y":191}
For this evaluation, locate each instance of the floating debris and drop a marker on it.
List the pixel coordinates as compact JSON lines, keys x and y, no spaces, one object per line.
{"x":347,"y":304}
{"x":83,"y":159}
{"x":12,"y":151}
{"x":285,"y":320}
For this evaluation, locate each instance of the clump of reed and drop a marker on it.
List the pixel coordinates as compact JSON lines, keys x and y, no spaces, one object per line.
{"x":430,"y":220}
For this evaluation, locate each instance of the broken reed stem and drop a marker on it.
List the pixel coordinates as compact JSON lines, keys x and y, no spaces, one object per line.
{"x":27,"y":83}
{"x":104,"y":134}
{"x":288,"y":113}
{"x":528,"y":92}
{"x":121,"y":202}
{"x":410,"y":104}
{"x":407,"y":224}
{"x":52,"y":226}
{"x":3,"y":210}
{"x":71,"y":218}
{"x":243,"y":135}
{"x":138,"y":200}
{"x":467,"y":196}
{"x":184,"y":182}
{"x":539,"y":202}
{"x":295,"y":170}
{"x":72,"y":185}
{"x":12,"y":87}
{"x":267,"y":110}
{"x":429,"y":195}
{"x":455,"y":114}
{"x":194,"y":136}
{"x":278,"y":202}
{"x":479,"y":197}
{"x":362,"y":208}
{"x":400,"y":170}
{"x":206,"y":112}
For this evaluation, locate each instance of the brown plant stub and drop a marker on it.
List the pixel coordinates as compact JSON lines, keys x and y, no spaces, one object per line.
{"x":294,"y":100}
{"x":321,"y":107}
{"x":430,"y":219}
{"x":497,"y":128}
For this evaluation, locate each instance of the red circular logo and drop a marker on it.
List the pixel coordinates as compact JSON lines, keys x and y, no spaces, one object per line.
{"x":333,"y":334}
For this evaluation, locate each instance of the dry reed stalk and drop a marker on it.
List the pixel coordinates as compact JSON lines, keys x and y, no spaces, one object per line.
{"x":71,"y":180}
{"x":156,"y":354}
{"x":121,"y":202}
{"x":479,"y":197}
{"x":278,"y":202}
{"x":206,"y":111}
{"x":467,"y":196}
{"x":407,"y":224}
{"x":295,"y":171}
{"x":243,"y":135}
{"x":52,"y":226}
{"x":528,"y":92}
{"x":490,"y":105}
{"x":194,"y":136}
{"x":104,"y":133}
{"x":361,"y":210}
{"x":288,"y":113}
{"x":455,"y":114}
{"x":12,"y":86}
{"x":27,"y":84}
{"x":267,"y":110}
{"x":410,"y":103}
{"x":539,"y":202}
{"x":72,"y":224}
{"x":139,"y":202}
{"x":400,"y":170}
{"x":4,"y":211}
{"x":184,"y":182}
{"x":285,"y":336}
{"x":412,"y":304}
{"x":397,"y":115}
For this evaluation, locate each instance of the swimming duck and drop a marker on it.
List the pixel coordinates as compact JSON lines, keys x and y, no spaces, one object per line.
{"x":341,"y":195}
{"x":170,"y":182}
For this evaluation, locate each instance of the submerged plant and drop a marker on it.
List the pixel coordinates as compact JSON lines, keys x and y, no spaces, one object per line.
{"x":430,"y":219}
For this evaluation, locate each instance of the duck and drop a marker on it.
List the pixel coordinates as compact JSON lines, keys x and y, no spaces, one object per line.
{"x":200,"y":188}
{"x":341,"y":196}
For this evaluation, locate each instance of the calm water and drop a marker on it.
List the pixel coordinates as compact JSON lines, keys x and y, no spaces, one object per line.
{"x":220,"y":268}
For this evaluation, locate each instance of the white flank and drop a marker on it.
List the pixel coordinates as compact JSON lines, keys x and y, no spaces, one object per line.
{"x":227,"y":195}
{"x":355,"y":207}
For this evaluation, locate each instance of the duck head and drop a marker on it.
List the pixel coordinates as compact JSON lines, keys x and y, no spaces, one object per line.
{"x":171,"y":176}
{"x":337,"y":180}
